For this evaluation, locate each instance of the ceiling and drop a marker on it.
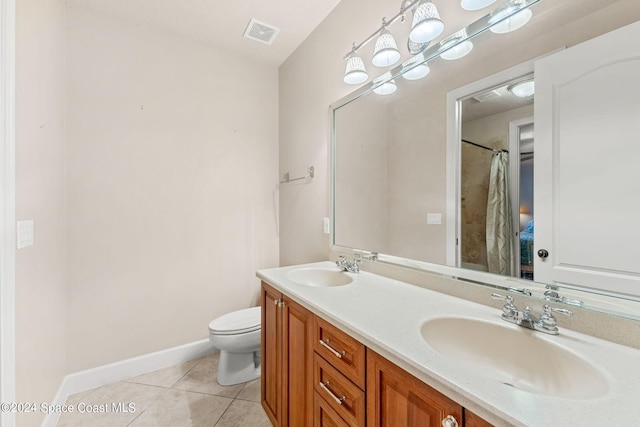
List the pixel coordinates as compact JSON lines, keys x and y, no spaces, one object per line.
{"x":222,"y":24}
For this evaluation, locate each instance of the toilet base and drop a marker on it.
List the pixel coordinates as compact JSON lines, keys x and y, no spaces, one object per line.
{"x":236,"y":368}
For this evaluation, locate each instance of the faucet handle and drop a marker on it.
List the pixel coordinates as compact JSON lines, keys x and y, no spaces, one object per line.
{"x":548,"y":321}
{"x":547,"y":309}
{"x":508,"y":298}
{"x":509,"y":311}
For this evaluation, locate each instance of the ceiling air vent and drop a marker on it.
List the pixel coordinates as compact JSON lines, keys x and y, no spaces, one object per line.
{"x":485,"y":96}
{"x":261,"y":32}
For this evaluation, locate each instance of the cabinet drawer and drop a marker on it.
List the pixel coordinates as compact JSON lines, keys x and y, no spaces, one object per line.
{"x":324,"y":415}
{"x":342,"y":351}
{"x":346,"y":399}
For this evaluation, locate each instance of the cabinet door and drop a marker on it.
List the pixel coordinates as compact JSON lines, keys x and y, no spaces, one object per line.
{"x":297,"y":332}
{"x":472,"y":420}
{"x":395,"y":398}
{"x":271,"y":355}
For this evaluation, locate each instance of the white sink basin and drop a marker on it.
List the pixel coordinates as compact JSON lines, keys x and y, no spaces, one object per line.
{"x":514,"y":356}
{"x":323,"y":277}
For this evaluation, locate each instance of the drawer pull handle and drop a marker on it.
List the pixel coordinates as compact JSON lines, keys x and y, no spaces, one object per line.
{"x":331,"y":349}
{"x":338,"y":400}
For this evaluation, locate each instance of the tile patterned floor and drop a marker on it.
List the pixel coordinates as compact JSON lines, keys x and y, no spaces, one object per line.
{"x":184,"y":395}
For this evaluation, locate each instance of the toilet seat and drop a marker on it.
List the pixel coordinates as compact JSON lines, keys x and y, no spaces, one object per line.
{"x":237,"y":322}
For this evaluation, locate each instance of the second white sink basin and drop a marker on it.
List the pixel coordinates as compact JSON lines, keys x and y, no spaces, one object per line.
{"x":324,"y":277}
{"x":514,"y":356}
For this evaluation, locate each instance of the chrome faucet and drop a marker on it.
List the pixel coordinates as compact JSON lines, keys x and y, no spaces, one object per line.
{"x":545,"y":323}
{"x":351,"y":266}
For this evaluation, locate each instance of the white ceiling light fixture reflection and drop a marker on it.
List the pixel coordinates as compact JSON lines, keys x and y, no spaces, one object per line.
{"x":387,"y":88}
{"x":524,"y":88}
{"x":513,"y":22}
{"x":453,"y":48}
{"x":475,"y":4}
{"x":426,"y":24}
{"x":418,"y":71}
{"x":386,"y":52}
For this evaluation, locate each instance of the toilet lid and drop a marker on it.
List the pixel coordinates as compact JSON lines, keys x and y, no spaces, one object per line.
{"x":237,"y":322}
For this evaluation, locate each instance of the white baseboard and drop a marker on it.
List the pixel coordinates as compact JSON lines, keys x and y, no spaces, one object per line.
{"x":114,"y":372}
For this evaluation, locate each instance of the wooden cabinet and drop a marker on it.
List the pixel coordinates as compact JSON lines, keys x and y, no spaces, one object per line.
{"x":314,"y":374}
{"x":472,"y":420}
{"x":397,"y":399}
{"x":339,"y":374}
{"x":287,"y":360}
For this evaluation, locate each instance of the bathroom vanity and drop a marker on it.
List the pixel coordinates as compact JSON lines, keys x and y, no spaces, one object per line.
{"x":356,"y":349}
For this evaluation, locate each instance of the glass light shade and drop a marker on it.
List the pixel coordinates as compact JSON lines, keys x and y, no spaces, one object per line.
{"x":475,"y":4}
{"x":513,"y":22}
{"x":426,"y":24}
{"x":355,"y":72}
{"x":415,"y":48}
{"x":451,"y":51}
{"x":417,"y":72}
{"x":386,"y":52}
{"x":523,"y":89}
{"x":386,"y":88}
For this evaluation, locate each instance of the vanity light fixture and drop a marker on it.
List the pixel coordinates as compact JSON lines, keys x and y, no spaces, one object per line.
{"x":355,"y":72}
{"x":386,"y":52}
{"x":524,"y":88}
{"x":475,"y":4}
{"x":415,"y":72}
{"x":386,"y":88}
{"x":426,"y":24}
{"x":455,"y":46}
{"x":514,"y":21}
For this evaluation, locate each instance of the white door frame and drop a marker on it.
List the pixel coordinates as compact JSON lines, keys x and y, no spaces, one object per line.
{"x":454,"y":135}
{"x":514,"y":182}
{"x":8,"y":208}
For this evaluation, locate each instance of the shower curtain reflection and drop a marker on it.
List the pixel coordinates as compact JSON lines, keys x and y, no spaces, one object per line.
{"x":499,"y":217}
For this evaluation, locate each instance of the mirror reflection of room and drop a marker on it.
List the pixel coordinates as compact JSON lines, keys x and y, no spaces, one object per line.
{"x":496,"y":186}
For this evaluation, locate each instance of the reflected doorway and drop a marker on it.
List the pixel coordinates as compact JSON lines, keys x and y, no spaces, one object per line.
{"x":496,"y":198}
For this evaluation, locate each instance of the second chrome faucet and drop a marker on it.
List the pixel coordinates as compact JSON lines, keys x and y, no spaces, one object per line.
{"x":351,"y":266}
{"x":545,"y":323}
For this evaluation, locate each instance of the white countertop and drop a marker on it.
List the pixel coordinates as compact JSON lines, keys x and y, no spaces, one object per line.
{"x":386,"y":315}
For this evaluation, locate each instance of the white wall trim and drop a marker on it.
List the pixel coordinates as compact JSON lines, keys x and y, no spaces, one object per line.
{"x":118,"y":371}
{"x":8,"y":210}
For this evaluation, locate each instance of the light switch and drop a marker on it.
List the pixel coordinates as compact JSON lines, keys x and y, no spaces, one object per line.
{"x":434,"y":218}
{"x":327,"y":226}
{"x":25,"y":234}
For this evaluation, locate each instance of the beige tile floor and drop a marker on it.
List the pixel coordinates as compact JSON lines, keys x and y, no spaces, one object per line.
{"x":179,"y":396}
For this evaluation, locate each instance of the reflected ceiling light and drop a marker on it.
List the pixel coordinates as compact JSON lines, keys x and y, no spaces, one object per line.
{"x":524,"y":88}
{"x":386,"y":88}
{"x":418,"y":71}
{"x":386,"y":52}
{"x":426,"y":24}
{"x":475,"y":4}
{"x":415,"y":48}
{"x":513,"y":22}
{"x":355,"y":72}
{"x":453,"y":48}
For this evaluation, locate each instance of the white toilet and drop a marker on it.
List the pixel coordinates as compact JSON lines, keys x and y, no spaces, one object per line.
{"x":237,"y":336}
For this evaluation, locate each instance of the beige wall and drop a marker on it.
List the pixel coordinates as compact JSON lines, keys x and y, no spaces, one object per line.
{"x":40,"y":269}
{"x":171,"y":179}
{"x":311,"y":79}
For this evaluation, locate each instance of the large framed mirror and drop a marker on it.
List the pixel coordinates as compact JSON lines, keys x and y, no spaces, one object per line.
{"x":412,"y":171}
